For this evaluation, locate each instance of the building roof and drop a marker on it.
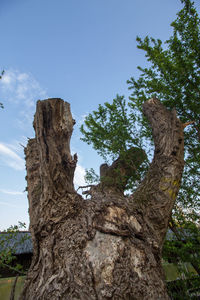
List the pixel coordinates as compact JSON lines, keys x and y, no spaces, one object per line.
{"x":18,"y":242}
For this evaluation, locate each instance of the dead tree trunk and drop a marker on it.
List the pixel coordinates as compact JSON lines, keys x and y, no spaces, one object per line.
{"x":108,"y":247}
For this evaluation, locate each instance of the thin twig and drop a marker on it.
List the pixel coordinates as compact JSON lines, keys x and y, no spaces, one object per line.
{"x":188,"y":123}
{"x":85,"y":186}
{"x":12,"y":293}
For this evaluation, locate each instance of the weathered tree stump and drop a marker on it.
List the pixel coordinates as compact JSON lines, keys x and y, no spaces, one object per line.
{"x":108,"y":247}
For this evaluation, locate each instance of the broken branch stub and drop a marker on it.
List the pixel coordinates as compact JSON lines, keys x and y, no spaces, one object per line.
{"x":53,"y":125}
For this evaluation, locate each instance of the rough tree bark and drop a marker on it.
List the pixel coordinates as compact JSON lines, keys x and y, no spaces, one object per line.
{"x":108,"y":247}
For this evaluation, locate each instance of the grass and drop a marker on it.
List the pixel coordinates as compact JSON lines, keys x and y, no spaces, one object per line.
{"x":172,"y":272}
{"x":6,"y":285}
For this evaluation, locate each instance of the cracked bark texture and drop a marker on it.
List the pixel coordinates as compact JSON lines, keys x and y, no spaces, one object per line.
{"x":108,"y":247}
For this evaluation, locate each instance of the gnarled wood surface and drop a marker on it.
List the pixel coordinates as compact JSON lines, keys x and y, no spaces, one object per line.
{"x":108,"y":247}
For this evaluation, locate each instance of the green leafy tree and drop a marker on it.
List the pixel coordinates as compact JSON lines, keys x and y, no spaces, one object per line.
{"x":112,"y":130}
{"x":174,"y":77}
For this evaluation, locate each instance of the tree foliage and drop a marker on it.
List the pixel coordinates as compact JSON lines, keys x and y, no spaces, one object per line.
{"x":174,"y":77}
{"x":112,"y":130}
{"x":108,"y":122}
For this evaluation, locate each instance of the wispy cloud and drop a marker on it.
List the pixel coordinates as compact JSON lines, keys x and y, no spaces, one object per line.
{"x":8,"y":204}
{"x":8,"y":192}
{"x":10,"y":158}
{"x":24,"y":87}
{"x":17,"y":145}
{"x":23,"y":90}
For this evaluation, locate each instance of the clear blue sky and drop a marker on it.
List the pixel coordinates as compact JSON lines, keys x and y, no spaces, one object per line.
{"x":82,"y":51}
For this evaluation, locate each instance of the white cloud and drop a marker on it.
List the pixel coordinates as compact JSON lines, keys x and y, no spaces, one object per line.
{"x":23,"y":90}
{"x":6,"y":80}
{"x":10,"y":158}
{"x":23,"y":86}
{"x":18,"y":145}
{"x":8,"y":204}
{"x":79,"y":176}
{"x":23,"y":76}
{"x":8,"y":192}
{"x":5,"y":150}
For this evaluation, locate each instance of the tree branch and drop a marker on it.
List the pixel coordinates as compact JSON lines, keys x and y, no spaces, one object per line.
{"x":158,"y":191}
{"x":53,"y":125}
